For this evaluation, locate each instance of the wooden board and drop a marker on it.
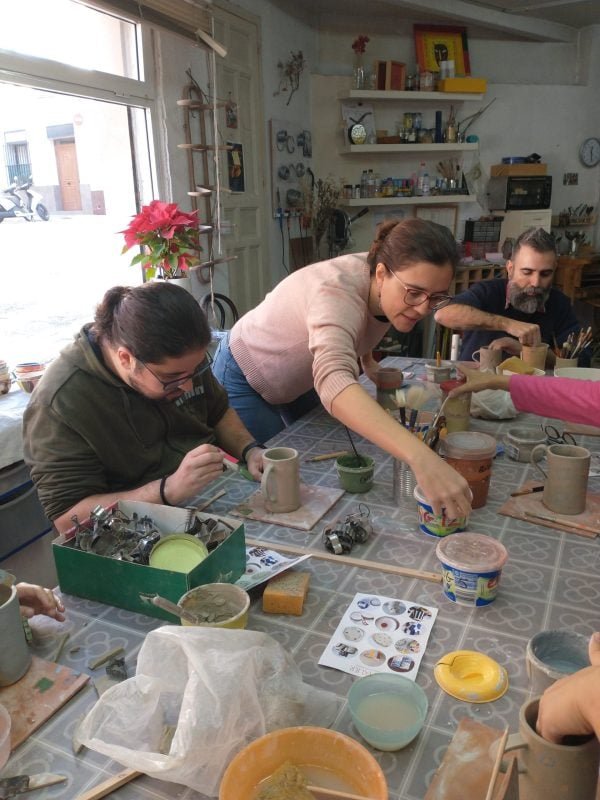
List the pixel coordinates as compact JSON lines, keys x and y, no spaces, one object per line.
{"x":516,"y":507}
{"x":315,"y":503}
{"x":468,"y":764}
{"x":39,"y":694}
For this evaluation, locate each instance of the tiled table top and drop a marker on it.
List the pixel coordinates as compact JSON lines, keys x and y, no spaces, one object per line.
{"x":551,"y":580}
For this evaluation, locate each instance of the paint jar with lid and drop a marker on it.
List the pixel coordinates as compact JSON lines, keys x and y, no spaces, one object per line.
{"x":471,"y":454}
{"x":471,"y":567}
{"x":520,"y":442}
{"x":457,"y":410}
{"x":438,"y":374}
{"x":388,"y":380}
{"x":432,"y":524}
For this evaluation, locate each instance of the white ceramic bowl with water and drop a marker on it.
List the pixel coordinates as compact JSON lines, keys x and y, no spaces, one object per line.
{"x":579,"y":373}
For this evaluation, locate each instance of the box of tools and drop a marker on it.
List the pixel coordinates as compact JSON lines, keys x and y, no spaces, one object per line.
{"x":97,"y":560}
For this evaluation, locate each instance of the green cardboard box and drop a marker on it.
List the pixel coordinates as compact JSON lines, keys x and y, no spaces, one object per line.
{"x":120,"y":583}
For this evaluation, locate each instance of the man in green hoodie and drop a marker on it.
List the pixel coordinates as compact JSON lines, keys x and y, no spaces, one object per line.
{"x":131,"y":409}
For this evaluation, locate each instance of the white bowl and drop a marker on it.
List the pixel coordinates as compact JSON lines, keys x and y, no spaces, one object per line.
{"x":580,"y":373}
{"x":535,"y":372}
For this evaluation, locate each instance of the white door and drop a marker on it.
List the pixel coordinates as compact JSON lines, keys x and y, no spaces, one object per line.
{"x":239,"y":80}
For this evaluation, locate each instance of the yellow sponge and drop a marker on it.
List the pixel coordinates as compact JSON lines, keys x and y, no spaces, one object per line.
{"x":514,"y":364}
{"x":285,"y":593}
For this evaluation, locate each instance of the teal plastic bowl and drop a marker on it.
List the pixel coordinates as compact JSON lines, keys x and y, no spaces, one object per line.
{"x":387,"y":710}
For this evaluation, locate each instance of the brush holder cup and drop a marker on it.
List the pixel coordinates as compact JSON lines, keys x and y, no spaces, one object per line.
{"x":403,"y":482}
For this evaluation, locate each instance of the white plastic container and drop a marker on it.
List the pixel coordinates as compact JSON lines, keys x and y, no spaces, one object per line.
{"x":471,"y":567}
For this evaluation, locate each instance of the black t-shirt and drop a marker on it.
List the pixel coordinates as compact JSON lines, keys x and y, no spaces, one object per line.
{"x":558,"y":320}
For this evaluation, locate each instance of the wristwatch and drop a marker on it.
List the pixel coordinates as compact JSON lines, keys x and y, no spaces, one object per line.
{"x":249,"y":447}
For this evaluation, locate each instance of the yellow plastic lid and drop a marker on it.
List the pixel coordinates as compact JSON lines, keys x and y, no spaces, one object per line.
{"x":179,"y":552}
{"x":471,"y":676}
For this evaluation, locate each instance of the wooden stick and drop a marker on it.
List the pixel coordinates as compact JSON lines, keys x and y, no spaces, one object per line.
{"x":362,"y":563}
{"x":107,"y":786}
{"x":321,"y":793}
{"x":210,"y":500}
{"x":325,"y":456}
{"x":497,"y":764}
{"x":576,"y":526}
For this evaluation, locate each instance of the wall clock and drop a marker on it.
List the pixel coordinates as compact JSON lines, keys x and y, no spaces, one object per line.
{"x":589,"y":152}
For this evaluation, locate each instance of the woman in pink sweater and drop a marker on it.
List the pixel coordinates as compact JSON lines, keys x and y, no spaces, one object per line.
{"x":310,"y":332}
{"x":559,"y":398}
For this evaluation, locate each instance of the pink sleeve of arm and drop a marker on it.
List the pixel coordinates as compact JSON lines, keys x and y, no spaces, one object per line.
{"x":559,"y":398}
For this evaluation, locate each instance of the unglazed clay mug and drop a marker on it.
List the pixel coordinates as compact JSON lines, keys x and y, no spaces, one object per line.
{"x":566,"y":482}
{"x":552,"y":654}
{"x":488,"y":359}
{"x":535,"y":355}
{"x":551,"y":771}
{"x":15,"y":656}
{"x":280,"y":482}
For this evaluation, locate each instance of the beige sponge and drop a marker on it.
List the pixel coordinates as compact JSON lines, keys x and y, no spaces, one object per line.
{"x":285,"y":594}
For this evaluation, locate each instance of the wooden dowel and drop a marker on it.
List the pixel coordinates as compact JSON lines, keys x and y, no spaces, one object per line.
{"x":497,"y":764}
{"x":210,"y":500}
{"x":109,"y":785}
{"x":361,"y":563}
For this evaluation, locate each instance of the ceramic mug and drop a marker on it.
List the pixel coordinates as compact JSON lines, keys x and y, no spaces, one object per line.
{"x":566,"y":482}
{"x":280,"y":482}
{"x":551,"y":771}
{"x":488,"y":358}
{"x":535,"y":355}
{"x":551,"y":655}
{"x":15,"y":656}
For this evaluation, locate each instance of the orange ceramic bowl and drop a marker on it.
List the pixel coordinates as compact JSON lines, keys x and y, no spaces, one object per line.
{"x":328,"y":758}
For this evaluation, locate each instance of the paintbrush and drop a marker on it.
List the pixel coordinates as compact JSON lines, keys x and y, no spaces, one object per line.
{"x":416,"y":397}
{"x":359,"y":459}
{"x":576,"y":526}
{"x":401,"y":404}
{"x":325,"y":456}
{"x":521,"y":492}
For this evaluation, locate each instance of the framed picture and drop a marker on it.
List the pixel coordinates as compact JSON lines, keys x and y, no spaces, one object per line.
{"x":443,"y":215}
{"x":235,"y":166}
{"x":435,"y":43}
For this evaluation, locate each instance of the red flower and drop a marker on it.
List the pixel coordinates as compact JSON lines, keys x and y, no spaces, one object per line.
{"x":359,"y":45}
{"x":168,"y":236}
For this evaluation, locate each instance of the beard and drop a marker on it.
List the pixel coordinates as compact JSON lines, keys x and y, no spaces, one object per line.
{"x":529,"y":300}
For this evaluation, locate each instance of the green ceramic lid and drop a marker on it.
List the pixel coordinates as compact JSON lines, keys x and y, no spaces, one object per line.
{"x":178,"y":553}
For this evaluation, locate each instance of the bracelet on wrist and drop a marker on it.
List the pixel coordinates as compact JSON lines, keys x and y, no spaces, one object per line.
{"x":161,"y":491}
{"x":249,"y":447}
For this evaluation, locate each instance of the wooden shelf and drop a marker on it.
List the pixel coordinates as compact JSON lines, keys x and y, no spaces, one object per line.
{"x":376,"y":94}
{"x":409,"y":148}
{"x":414,"y":200}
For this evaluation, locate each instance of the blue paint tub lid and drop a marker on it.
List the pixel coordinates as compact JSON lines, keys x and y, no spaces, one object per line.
{"x":472,"y":552}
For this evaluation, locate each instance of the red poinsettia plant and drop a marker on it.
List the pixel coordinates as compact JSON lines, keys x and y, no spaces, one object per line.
{"x":168,"y":236}
{"x":359,"y":45}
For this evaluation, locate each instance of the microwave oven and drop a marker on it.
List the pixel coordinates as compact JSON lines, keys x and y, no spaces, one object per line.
{"x":513,"y":193}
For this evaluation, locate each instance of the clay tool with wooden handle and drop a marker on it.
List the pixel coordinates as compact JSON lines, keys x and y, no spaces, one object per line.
{"x":497,"y":764}
{"x":521,"y":492}
{"x":172,"y":608}
{"x":106,"y":787}
{"x":361,"y":563}
{"x":325,"y":456}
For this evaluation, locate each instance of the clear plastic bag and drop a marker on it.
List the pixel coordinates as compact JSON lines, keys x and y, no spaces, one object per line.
{"x":492,"y":404}
{"x":220,"y":689}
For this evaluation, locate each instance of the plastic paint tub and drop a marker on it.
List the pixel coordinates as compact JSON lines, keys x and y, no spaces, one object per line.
{"x":354,"y":478}
{"x":471,"y":567}
{"x":519,"y":443}
{"x":471,"y":454}
{"x":438,"y":374}
{"x":436,"y":524}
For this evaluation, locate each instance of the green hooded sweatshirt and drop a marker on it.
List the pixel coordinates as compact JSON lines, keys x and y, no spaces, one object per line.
{"x":85,"y":432}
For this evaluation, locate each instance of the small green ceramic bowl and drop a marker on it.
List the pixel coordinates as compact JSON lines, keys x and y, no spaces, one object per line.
{"x":355,"y":477}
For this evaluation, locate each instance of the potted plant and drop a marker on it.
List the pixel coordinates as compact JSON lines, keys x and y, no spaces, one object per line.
{"x":169,"y":241}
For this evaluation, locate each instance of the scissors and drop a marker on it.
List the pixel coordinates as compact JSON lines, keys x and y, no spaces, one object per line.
{"x":555,"y":437}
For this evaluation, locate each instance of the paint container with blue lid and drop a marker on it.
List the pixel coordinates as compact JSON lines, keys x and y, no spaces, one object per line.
{"x":471,"y":567}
